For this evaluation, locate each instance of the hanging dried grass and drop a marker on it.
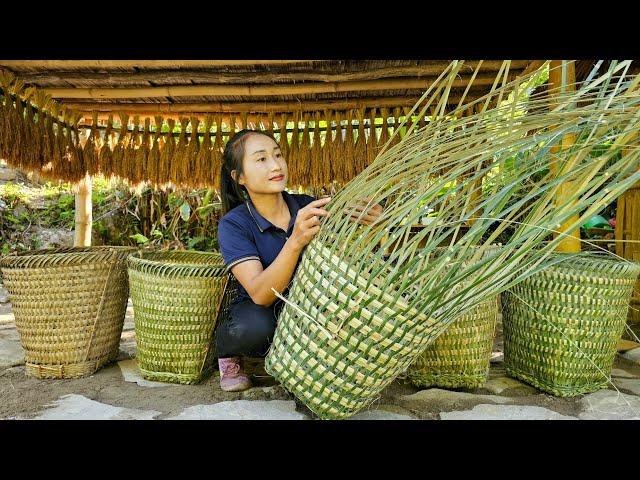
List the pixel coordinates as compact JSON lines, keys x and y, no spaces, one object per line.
{"x":334,"y":146}
{"x":316,"y":158}
{"x":359,"y":159}
{"x":168,"y":153}
{"x":349,"y":147}
{"x":216,"y":154}
{"x":189,"y":175}
{"x":203,"y":168}
{"x":42,"y":102}
{"x":153,"y":160}
{"x":105,"y":156}
{"x":117,"y":156}
{"x":283,"y":139}
{"x":293,"y":156}
{"x":304,"y":172}
{"x":30,"y":156}
{"x":90,"y":147}
{"x":131,"y":170}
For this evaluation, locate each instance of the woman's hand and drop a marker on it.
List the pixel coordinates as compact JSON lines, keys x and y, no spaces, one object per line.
{"x":370,"y":215}
{"x":307,"y":223}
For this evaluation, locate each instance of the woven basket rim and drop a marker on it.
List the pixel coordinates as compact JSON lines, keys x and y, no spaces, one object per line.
{"x":143,"y":260}
{"x":70,"y":255}
{"x":596,"y":261}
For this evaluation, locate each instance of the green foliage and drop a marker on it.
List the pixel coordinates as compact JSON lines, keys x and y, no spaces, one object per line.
{"x":174,"y":219}
{"x":139,"y":238}
{"x":121,"y":216}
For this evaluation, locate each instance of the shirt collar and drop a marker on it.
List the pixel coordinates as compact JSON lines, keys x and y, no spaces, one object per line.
{"x":262,"y":222}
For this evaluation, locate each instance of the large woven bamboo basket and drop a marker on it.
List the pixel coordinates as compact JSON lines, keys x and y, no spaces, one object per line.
{"x":460,"y":357}
{"x":69,"y":306}
{"x":338,"y":362}
{"x":562,"y":325}
{"x":177,"y":298}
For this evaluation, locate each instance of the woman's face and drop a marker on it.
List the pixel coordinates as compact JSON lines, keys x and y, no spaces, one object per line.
{"x":265,"y":169}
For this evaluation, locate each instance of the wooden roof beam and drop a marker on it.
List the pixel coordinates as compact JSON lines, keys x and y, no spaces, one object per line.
{"x":61,"y":64}
{"x":184,"y":109}
{"x":252,"y":77}
{"x":257,"y":90}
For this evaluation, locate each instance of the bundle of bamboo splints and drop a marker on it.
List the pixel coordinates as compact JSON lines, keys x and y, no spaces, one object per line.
{"x":38,"y":134}
{"x":357,"y":316}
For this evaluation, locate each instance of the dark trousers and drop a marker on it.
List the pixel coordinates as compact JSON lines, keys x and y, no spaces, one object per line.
{"x":248,"y":330}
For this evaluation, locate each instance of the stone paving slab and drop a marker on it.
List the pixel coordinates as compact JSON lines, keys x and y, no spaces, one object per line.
{"x":11,"y":351}
{"x":243,"y":410}
{"x":78,"y":407}
{"x":609,"y":405}
{"x":630,"y":384}
{"x":505,"y":412}
{"x":500,"y":385}
{"x":619,"y":373}
{"x":131,"y":373}
{"x":632,"y":355}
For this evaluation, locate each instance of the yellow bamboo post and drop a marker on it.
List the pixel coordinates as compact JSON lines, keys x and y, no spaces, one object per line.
{"x":570,"y":242}
{"x":627,"y":233}
{"x":83,"y":213}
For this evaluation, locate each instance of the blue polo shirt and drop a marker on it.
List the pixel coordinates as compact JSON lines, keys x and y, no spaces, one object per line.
{"x":244,"y":234}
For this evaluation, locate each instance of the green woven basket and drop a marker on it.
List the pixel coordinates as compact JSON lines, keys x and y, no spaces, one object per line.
{"x":460,"y":357}
{"x":177,"y":298}
{"x":562,"y":325}
{"x":339,"y":345}
{"x":69,"y":306}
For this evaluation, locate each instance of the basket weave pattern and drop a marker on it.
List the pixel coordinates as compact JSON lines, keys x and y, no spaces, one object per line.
{"x":69,"y":306}
{"x":338,"y":362}
{"x":562,"y":325}
{"x":460,"y":357}
{"x":176,"y":298}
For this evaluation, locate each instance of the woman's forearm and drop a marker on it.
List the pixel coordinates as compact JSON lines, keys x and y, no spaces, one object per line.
{"x":277,"y":275}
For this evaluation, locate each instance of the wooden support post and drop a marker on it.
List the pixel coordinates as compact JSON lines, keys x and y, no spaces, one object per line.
{"x":628,"y":216}
{"x":570,"y":243}
{"x":627,"y":234}
{"x":83,"y":213}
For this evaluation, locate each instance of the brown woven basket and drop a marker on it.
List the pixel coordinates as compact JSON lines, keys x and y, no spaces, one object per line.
{"x":69,"y":306}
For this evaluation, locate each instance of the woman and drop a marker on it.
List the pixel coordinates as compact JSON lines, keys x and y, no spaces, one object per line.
{"x":261,"y":235}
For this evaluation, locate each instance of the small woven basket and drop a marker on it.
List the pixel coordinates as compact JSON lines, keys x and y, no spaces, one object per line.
{"x":460,"y":357}
{"x":562,"y":325}
{"x":69,"y":306}
{"x":177,"y":298}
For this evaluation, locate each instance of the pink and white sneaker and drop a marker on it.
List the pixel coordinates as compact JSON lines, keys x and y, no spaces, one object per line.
{"x":232,"y":376}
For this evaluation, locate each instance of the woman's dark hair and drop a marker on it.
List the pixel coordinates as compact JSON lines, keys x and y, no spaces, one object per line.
{"x":231,"y":192}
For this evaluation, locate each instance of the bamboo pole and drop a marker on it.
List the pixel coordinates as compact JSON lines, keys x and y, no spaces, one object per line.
{"x":258,"y":90}
{"x":83,"y":213}
{"x":61,"y":64}
{"x":570,"y":243}
{"x":199,"y":109}
{"x":231,"y":107}
{"x":628,"y":216}
{"x":186,"y":76}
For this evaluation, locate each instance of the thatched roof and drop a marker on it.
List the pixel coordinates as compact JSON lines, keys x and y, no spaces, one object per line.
{"x":149,"y":87}
{"x":335,"y":114}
